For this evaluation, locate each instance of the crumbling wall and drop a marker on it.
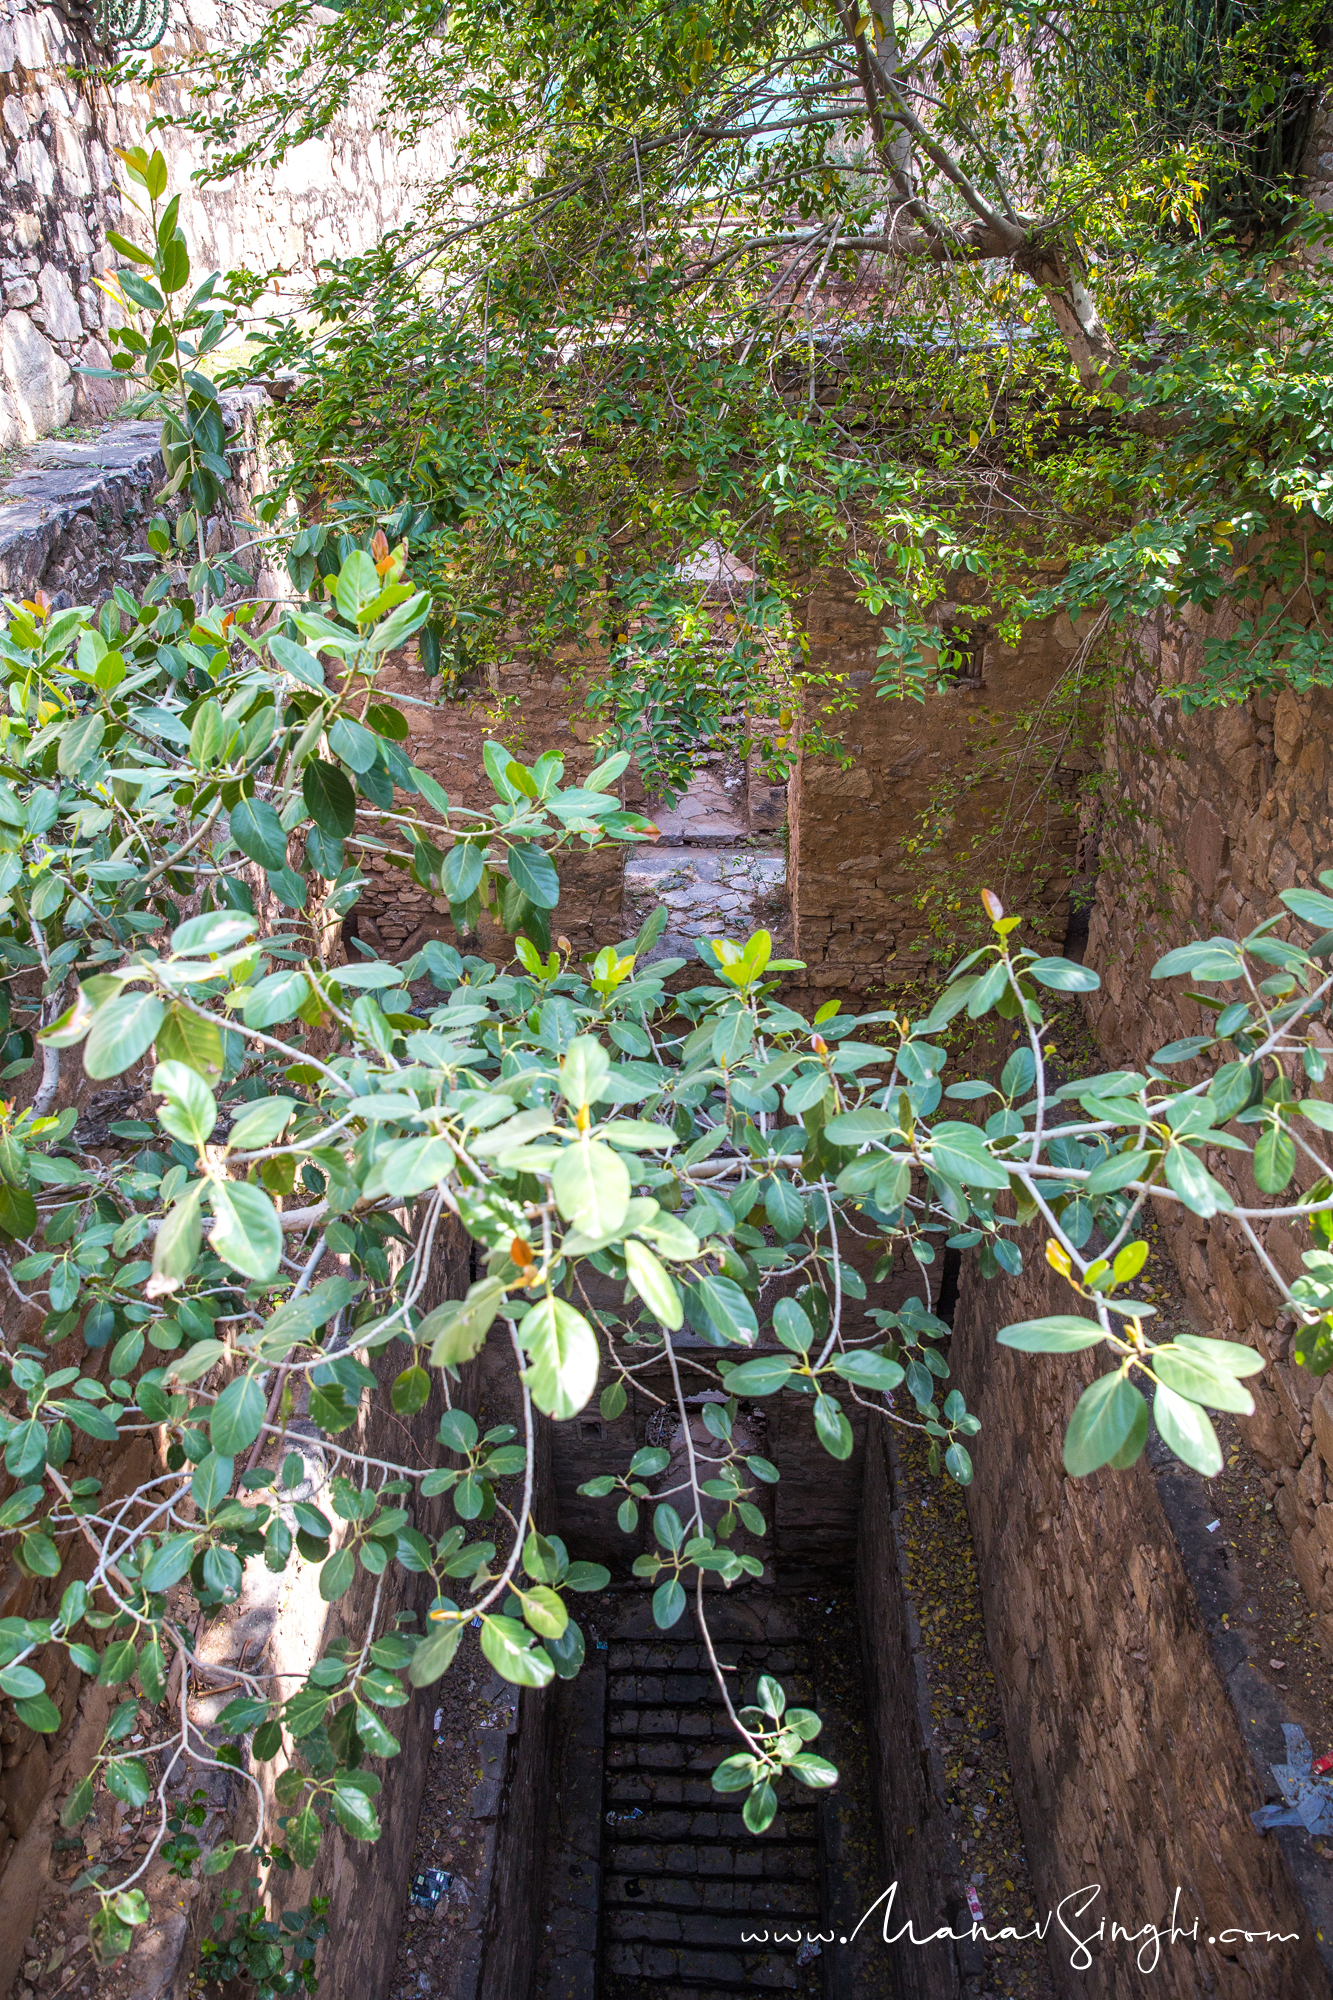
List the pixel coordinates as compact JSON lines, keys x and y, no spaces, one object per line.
{"x":1207,"y":818}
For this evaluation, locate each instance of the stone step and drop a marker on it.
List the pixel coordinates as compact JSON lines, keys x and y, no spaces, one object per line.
{"x":709,"y":1971}
{"x":686,"y":1722}
{"x":776,"y":1897}
{"x":783,"y":1861}
{"x":663,"y":1788}
{"x":664,"y":1823}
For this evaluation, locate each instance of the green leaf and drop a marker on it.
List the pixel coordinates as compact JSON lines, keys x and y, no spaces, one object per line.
{"x":1274,"y":1159}
{"x":238,"y":1417}
{"x":21,"y":1681}
{"x":80,"y":742}
{"x":763,"y":1376}
{"x":1061,"y":975}
{"x":278,"y":997}
{"x":189,"y":1112}
{"x":353,"y":1810}
{"x":435,"y":1653}
{"x":591,"y":1185}
{"x":832,"y":1428}
{"x":856,"y":1128}
{"x":168,"y":1564}
{"x":534,"y":872}
{"x":410,"y":1391}
{"x":355,"y":745}
{"x":242,"y":1715}
{"x":1309,"y":906}
{"x":1191,"y":1180}
{"x":723,"y":1308}
{"x":211,"y":1482}
{"x":257,"y":831}
{"x":869,"y":1371}
{"x":653,"y":1283}
{"x":119,"y":1662}
{"x":733,"y":1037}
{"x":760,"y":1808}
{"x":179,"y":1237}
{"x":814,"y":1771}
{"x":303,"y":1832}
{"x":458,"y":1329}
{"x":260,"y":1124}
{"x":735,"y":1774}
{"x":1192,"y":1375}
{"x":1229,"y":1354}
{"x":38,"y":1712}
{"x":508,"y":1646}
{"x":1061,"y":1333}
{"x":1103,"y":1419}
{"x":18,"y":1217}
{"x":584,"y":1072}
{"x":791,"y":1323}
{"x":246,"y":1232}
{"x":122,"y":1031}
{"x":1117,"y":1172}
{"x":128,"y":1779}
{"x":668,"y":1603}
{"x":336,"y":1575}
{"x":329,"y":798}
{"x":563,"y":1357}
{"x":1185,"y":1428}
{"x":78,"y":1805}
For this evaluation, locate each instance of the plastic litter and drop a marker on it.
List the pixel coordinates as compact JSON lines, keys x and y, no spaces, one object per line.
{"x":809,"y":1952}
{"x":974,"y":1904}
{"x":624,"y":1818}
{"x":429,"y":1885}
{"x":1307,"y":1793}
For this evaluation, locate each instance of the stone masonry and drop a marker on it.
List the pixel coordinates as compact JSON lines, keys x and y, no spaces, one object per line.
{"x":1208,"y":818}
{"x":854,"y":881}
{"x":59,"y":193}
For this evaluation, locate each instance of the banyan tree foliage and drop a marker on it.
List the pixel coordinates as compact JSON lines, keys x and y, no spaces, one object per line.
{"x":192,"y":781}
{"x":926,"y":294}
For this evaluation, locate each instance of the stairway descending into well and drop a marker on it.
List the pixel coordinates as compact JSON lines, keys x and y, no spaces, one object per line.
{"x":691,"y":1900}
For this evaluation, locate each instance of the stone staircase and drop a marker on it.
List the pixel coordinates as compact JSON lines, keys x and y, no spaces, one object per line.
{"x":693,"y":1905}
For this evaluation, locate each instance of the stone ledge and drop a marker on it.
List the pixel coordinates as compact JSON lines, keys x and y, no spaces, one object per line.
{"x":77,"y":508}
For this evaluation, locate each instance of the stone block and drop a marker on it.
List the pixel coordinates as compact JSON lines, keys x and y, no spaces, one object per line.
{"x":1310,"y":1480}
{"x":1288,"y":727}
{"x":35,"y":392}
{"x":1307,"y":1555}
{"x":59,"y":304}
{"x":1321,"y":1417}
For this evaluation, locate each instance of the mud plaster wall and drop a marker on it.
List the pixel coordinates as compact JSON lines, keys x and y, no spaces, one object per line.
{"x":1129,"y":1768}
{"x":853,"y":883}
{"x":333,"y":196}
{"x":1209,"y":817}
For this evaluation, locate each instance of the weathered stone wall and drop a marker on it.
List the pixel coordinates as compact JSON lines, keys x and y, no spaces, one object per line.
{"x":59,"y":130}
{"x":1208,"y":818}
{"x":76,"y":513}
{"x":906,"y":1768}
{"x":1130,"y":1771}
{"x":855,"y":887}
